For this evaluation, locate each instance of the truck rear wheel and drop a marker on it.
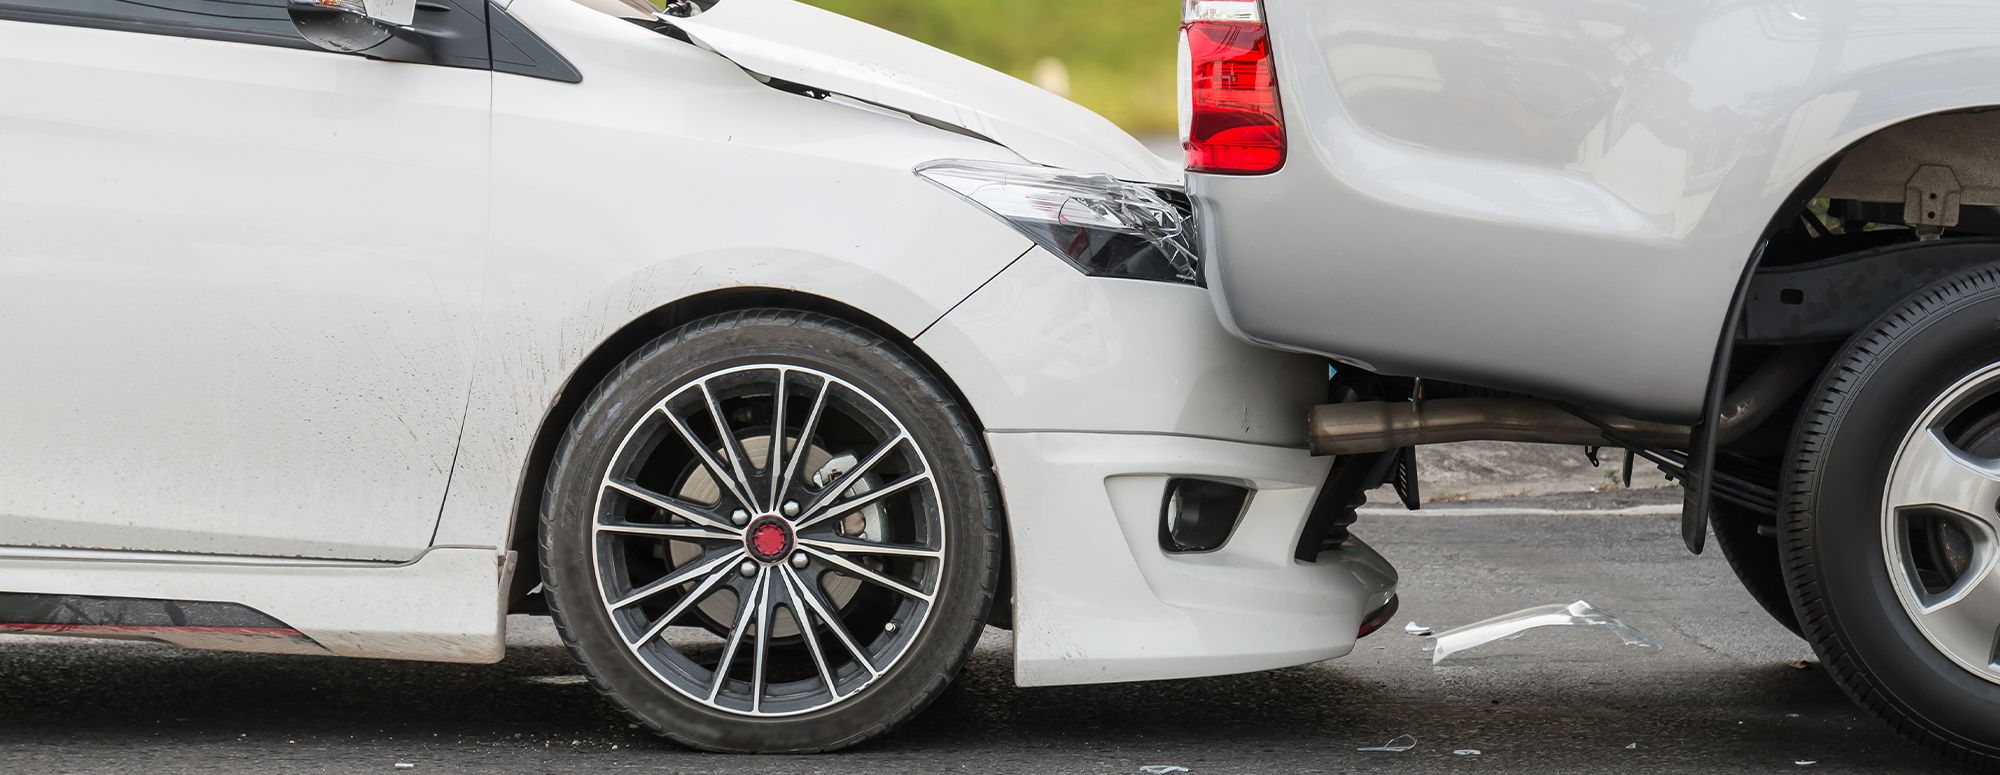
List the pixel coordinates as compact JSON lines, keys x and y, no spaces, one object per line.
{"x":1746,"y":540}
{"x":1891,"y":536}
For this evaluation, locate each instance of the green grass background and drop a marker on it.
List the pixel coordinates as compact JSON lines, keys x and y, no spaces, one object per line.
{"x":1120,"y":53}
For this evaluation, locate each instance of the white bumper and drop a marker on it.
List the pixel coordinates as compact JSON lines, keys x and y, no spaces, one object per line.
{"x":1094,"y":393}
{"x":1098,"y":600}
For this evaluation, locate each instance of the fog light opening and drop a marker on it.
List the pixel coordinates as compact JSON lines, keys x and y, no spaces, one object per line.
{"x":1199,"y":515}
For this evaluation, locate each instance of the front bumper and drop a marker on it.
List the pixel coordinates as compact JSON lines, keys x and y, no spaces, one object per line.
{"x":1096,"y":598}
{"x":1096,"y":392}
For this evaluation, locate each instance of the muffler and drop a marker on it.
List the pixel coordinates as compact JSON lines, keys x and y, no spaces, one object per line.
{"x":1379,"y":426}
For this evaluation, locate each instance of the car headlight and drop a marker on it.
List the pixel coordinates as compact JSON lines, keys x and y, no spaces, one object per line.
{"x":1104,"y":226}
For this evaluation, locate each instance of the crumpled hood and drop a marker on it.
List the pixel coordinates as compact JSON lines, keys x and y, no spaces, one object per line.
{"x":799,"y":43}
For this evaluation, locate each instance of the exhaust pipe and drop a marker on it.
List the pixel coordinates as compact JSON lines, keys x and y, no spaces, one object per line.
{"x":1379,"y":426}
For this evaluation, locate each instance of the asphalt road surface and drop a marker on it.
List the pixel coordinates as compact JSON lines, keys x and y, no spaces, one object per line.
{"x":1722,"y":696}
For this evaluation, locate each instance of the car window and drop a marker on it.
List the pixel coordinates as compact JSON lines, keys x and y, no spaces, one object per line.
{"x":259,"y":20}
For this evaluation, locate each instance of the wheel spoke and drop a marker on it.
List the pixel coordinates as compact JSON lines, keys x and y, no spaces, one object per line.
{"x":804,"y":617}
{"x":774,"y":463}
{"x":679,"y":576}
{"x":767,"y":607}
{"x":694,"y":596}
{"x":731,"y":447}
{"x":674,"y":506}
{"x":851,"y":546}
{"x":815,"y":600}
{"x":855,"y":569}
{"x":1934,"y":472}
{"x":723,"y":478}
{"x":861,"y":501}
{"x":674,"y":532}
{"x":1967,"y":620}
{"x":806,"y":433}
{"x":814,"y":512}
{"x":747,"y":607}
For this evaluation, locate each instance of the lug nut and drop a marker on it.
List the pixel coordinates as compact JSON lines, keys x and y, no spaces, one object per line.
{"x":740,"y":517}
{"x":747,"y":569}
{"x":800,"y":560}
{"x":791,"y":508}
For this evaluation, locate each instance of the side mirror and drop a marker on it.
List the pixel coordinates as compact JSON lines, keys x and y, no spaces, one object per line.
{"x":364,"y":27}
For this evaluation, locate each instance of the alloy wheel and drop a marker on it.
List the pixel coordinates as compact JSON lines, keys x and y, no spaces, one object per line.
{"x":768,"y":540}
{"x":1941,"y":523}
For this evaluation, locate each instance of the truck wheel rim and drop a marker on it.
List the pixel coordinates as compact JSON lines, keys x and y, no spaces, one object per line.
{"x":1941,"y":523}
{"x":772,"y":539}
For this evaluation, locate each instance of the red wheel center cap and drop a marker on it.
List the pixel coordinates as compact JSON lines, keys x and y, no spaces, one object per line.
{"x":769,"y":539}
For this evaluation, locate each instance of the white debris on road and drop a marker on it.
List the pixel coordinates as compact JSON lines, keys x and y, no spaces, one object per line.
{"x":1511,"y":626}
{"x":1400,"y":744}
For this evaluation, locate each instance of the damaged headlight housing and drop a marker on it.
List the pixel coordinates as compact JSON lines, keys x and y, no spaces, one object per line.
{"x":1104,"y":226}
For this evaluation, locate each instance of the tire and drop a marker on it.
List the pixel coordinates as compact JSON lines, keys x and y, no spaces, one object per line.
{"x":1755,"y":559}
{"x":1851,"y":560}
{"x":911,"y":508}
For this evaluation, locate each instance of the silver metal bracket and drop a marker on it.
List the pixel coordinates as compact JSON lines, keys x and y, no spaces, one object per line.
{"x":1931,"y":201}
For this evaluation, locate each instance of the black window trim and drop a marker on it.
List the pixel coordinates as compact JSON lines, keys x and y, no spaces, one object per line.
{"x":544,"y":61}
{"x":150,"y":26}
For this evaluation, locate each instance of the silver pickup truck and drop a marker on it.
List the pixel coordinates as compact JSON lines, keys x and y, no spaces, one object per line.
{"x":1754,"y":243}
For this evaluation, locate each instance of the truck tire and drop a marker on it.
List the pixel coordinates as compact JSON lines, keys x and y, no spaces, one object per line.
{"x":1889,"y":534}
{"x":1755,"y":559}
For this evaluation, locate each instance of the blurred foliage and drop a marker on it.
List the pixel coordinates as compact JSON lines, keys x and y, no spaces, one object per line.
{"x":1119,"y":53}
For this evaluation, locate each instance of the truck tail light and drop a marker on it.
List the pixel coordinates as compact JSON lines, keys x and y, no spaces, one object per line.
{"x":1231,"y":122}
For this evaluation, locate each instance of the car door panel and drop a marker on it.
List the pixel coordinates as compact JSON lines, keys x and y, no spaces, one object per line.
{"x":236,"y":289}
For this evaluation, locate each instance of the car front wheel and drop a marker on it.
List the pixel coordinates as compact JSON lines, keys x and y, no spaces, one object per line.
{"x":1892,"y":533}
{"x":771,"y":531}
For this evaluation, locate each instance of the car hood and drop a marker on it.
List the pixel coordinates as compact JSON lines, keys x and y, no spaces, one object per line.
{"x":826,"y":51}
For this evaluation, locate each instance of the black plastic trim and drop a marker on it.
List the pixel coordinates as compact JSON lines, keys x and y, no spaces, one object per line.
{"x":1333,"y":508}
{"x":51,"y":614}
{"x":1698,"y":493}
{"x":1830,"y":299}
{"x":1699,"y":489}
{"x":517,"y":50}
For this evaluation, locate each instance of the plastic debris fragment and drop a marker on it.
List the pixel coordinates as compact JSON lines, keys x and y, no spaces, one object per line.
{"x":1466,"y":752}
{"x":1514,"y":625}
{"x":1801,"y":664}
{"x":1400,"y":744}
{"x":1162,"y":769}
{"x":1632,"y":747}
{"x":405,"y":766}
{"x":557,"y":680}
{"x":1805,"y":762}
{"x":1416,"y":629}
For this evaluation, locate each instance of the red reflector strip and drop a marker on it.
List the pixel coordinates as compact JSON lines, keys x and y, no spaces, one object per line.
{"x":1380,"y":616}
{"x":1236,"y":124}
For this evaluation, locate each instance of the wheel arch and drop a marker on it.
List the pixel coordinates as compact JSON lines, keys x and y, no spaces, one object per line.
{"x":1904,"y":163}
{"x":592,"y":370}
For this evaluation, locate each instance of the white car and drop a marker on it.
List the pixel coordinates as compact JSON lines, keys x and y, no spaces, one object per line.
{"x":778,"y":354}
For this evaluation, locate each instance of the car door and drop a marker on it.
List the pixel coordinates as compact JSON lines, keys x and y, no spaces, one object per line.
{"x":237,"y":277}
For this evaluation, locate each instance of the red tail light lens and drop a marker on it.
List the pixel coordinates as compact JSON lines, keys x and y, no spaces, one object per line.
{"x":1231,"y":122}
